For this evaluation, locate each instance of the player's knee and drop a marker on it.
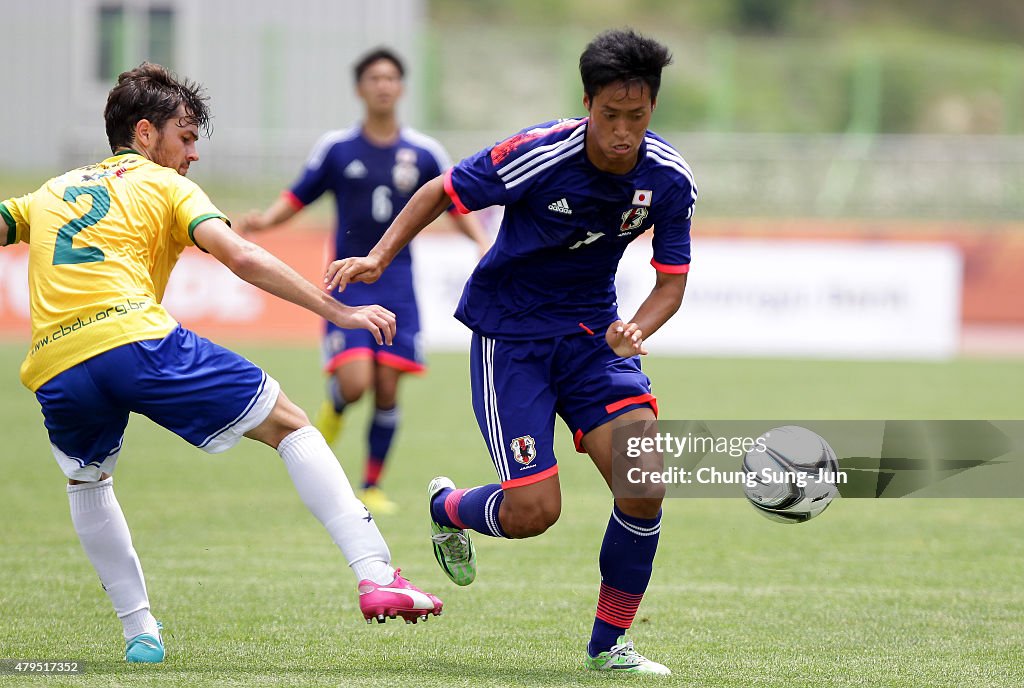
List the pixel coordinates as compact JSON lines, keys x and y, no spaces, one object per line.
{"x":284,"y":419}
{"x":530,"y":520}
{"x":352,"y":394}
{"x":354,"y":380}
{"x":640,"y":508}
{"x":289,"y":416}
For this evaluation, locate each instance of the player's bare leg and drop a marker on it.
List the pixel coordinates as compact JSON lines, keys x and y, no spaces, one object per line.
{"x":529,"y":510}
{"x":327,"y":493}
{"x":598,"y":445}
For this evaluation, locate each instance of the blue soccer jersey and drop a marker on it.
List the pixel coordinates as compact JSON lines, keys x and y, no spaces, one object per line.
{"x":371,"y":184}
{"x":566,"y":225}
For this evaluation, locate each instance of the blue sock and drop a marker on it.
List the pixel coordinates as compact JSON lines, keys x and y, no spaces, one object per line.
{"x":382,"y":433}
{"x":476,"y":508}
{"x":334,"y":394}
{"x":627,"y":559}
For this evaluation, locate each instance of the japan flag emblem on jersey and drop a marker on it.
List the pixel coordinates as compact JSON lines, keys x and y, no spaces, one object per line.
{"x":643,"y":197}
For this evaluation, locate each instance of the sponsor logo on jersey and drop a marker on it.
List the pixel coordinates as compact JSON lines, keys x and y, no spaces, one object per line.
{"x":104,"y":172}
{"x":643,"y":197}
{"x":355,"y":170}
{"x":632,"y":219}
{"x":561,"y":206}
{"x":524,"y":449}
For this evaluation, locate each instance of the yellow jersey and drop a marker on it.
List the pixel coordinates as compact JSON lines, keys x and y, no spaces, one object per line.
{"x":102,"y":242}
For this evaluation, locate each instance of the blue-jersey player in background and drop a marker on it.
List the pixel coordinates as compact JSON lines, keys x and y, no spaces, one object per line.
{"x":372,"y":169}
{"x":547,"y":337}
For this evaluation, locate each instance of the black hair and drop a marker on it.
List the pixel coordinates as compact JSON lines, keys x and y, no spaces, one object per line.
{"x":623,"y":55}
{"x":151,"y":91}
{"x":373,"y":56}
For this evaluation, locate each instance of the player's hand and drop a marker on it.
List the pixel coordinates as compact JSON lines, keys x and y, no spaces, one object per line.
{"x":377,"y":319}
{"x":341,"y":272}
{"x":249,"y":223}
{"x":625,"y":339}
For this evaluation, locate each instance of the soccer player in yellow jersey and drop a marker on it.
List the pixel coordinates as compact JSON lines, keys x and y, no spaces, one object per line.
{"x":103,"y":241}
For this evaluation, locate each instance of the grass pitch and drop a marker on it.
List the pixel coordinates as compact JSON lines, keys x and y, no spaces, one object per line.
{"x":251,"y":591}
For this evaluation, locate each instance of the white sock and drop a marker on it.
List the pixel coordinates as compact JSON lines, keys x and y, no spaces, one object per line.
{"x":103,"y":532}
{"x":326,"y":492}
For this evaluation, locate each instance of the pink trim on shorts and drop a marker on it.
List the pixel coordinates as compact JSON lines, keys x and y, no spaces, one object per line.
{"x":530,"y":479}
{"x":400,"y":362}
{"x":344,"y":357}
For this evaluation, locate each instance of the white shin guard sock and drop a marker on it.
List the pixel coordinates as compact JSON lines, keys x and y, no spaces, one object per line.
{"x":103,"y":532}
{"x":326,"y":492}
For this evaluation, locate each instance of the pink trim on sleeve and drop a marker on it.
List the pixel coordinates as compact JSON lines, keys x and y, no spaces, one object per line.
{"x":670,"y":269}
{"x":453,"y":194}
{"x":293,"y":200}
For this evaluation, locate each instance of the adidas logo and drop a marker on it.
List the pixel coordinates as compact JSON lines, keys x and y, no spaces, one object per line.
{"x":355,"y":170}
{"x":561,"y":206}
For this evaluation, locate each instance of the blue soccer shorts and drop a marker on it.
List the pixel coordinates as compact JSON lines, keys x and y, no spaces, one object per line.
{"x":519,"y":386}
{"x":341,"y":346}
{"x":202,"y":392}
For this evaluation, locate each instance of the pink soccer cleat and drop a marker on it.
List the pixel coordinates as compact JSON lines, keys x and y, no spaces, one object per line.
{"x":398,"y":598}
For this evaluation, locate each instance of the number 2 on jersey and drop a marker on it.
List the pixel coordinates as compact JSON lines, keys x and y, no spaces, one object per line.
{"x":63,"y":252}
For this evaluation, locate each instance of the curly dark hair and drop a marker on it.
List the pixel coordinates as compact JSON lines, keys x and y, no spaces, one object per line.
{"x":623,"y":55}
{"x":152,"y":92}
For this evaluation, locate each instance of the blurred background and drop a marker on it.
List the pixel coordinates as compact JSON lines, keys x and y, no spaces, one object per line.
{"x":862,"y":142}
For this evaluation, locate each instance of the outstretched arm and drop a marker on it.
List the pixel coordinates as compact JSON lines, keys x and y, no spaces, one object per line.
{"x":627,"y":339}
{"x":424,"y":207}
{"x":260,"y":268}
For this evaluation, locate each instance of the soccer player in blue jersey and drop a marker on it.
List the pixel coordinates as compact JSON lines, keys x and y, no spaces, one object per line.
{"x":547,"y":338}
{"x":103,"y":240}
{"x":372,"y":169}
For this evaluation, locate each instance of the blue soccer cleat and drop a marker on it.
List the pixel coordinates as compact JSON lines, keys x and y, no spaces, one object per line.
{"x":146,"y":648}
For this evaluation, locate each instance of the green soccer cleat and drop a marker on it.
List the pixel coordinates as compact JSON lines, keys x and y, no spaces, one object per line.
{"x":453,"y":548}
{"x":328,"y":421}
{"x":623,"y":657}
{"x":146,"y":648}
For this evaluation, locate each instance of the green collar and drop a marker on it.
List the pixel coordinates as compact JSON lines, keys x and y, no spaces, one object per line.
{"x":126,"y":151}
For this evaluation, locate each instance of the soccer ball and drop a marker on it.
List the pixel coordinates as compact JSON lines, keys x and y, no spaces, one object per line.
{"x":790,"y":474}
